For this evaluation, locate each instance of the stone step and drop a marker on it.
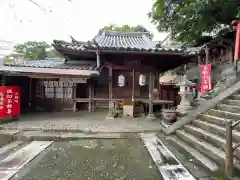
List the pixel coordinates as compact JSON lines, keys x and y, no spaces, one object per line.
{"x":236,"y":97}
{"x":16,"y":160}
{"x":192,"y":154}
{"x":232,"y":102}
{"x":213,"y":128}
{"x":214,"y":119}
{"x":224,"y":114}
{"x":204,"y":147}
{"x":6,"y":150}
{"x":207,"y":149}
{"x":229,"y":108}
{"x":214,"y":139}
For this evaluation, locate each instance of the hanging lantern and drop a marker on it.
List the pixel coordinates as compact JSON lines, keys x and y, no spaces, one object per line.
{"x":142,"y":80}
{"x":121,"y":80}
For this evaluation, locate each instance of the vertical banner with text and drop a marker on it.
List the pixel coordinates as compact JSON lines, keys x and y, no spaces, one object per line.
{"x":9,"y":101}
{"x":2,"y":101}
{"x":206,"y":81}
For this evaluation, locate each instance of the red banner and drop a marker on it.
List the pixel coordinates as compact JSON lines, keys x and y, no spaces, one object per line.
{"x":206,"y":82}
{"x":9,"y":101}
{"x":236,"y":55}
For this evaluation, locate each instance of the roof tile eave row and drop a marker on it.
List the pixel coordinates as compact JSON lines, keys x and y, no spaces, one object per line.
{"x":90,"y":48}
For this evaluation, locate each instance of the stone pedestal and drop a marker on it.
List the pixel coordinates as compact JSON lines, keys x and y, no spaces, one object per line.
{"x":185,"y":105}
{"x":151,"y":116}
{"x":169,"y":116}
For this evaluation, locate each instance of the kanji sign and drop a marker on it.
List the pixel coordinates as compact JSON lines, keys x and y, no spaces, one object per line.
{"x":206,"y":84}
{"x":9,"y":101}
{"x":2,"y":99}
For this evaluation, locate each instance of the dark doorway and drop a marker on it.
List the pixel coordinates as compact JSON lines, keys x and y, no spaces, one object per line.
{"x":82,"y":92}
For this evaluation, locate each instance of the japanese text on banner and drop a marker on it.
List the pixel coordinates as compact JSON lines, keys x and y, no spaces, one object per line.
{"x":2,"y":102}
{"x":9,"y":101}
{"x":206,"y":84}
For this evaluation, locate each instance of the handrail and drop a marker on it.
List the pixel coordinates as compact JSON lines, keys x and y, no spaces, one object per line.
{"x":229,"y":149}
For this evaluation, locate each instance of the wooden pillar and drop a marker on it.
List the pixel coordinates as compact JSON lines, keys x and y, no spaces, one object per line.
{"x":206,"y":55}
{"x":199,"y":75}
{"x":90,"y":96}
{"x":150,"y":85}
{"x":93,"y":95}
{"x":231,"y":55}
{"x":110,"y":87}
{"x":133,"y":85}
{"x":73,"y":97}
{"x":3,"y":80}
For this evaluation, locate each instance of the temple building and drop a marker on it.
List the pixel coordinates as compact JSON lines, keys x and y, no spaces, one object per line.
{"x":113,"y":67}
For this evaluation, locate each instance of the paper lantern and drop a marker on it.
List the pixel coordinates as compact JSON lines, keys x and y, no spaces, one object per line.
{"x":121,"y":80}
{"x":142,"y":80}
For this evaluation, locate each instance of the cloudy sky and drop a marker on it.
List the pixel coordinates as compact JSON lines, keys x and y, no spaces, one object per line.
{"x":21,"y":20}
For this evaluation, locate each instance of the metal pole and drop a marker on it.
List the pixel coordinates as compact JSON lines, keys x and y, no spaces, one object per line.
{"x":229,"y":150}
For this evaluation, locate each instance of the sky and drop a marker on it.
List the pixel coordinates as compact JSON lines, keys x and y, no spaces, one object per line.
{"x":21,"y":20}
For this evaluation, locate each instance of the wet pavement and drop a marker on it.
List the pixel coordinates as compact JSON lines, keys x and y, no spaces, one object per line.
{"x":94,"y":122}
{"x":96,"y":159}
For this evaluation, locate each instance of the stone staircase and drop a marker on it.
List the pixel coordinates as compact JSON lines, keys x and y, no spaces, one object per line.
{"x":203,"y":141}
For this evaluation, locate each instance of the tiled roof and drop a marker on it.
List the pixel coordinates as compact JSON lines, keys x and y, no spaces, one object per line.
{"x":57,"y":64}
{"x":57,"y":67}
{"x":114,"y":40}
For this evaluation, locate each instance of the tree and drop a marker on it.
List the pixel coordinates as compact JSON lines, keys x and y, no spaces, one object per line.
{"x":32,"y":50}
{"x":127,"y":28}
{"x":188,"y":20}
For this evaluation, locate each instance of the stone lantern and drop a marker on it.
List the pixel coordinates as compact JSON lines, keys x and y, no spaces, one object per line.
{"x":185,"y":105}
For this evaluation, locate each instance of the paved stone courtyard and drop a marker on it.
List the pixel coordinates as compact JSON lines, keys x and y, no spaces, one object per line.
{"x":81,"y":122}
{"x":121,"y":159}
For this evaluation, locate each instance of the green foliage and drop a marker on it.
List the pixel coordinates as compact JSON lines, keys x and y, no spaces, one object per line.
{"x":189,"y":19}
{"x":127,"y":28}
{"x":32,"y":50}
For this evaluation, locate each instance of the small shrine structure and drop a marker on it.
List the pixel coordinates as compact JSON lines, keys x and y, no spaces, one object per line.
{"x":112,"y":67}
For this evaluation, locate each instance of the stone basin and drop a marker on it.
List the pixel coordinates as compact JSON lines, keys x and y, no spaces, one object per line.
{"x":169,"y":116}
